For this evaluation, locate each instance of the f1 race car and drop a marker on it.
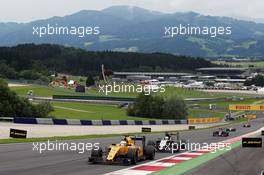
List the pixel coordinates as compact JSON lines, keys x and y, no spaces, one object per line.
{"x":169,"y":143}
{"x":221,"y":133}
{"x":231,"y":129}
{"x":246,"y":125}
{"x":126,"y":152}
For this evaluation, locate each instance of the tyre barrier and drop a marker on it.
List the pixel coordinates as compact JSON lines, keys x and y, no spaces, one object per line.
{"x":108,"y":98}
{"x":51,"y":121}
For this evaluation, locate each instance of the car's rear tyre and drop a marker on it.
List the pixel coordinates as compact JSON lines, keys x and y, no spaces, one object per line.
{"x":157,"y":144}
{"x":97,"y":153}
{"x":183,"y":145}
{"x":150,"y":152}
{"x":151,"y":142}
{"x":225,"y":134}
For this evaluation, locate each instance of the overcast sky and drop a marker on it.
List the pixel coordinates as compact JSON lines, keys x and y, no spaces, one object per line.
{"x":28,"y":10}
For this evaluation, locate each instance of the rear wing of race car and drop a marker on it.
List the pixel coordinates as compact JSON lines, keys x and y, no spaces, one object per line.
{"x":136,"y":137}
{"x":139,"y":138}
{"x":169,"y":134}
{"x":172,"y":133}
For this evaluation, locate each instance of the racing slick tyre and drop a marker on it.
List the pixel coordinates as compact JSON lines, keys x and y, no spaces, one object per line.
{"x":175,"y":146}
{"x":225,"y":134}
{"x":157,"y":145}
{"x":151,"y":143}
{"x":132,"y":155}
{"x":150,"y":152}
{"x":183,"y":144}
{"x":95,"y":155}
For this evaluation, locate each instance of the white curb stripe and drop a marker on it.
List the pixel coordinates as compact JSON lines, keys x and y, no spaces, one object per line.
{"x":193,"y":153}
{"x":181,"y":158}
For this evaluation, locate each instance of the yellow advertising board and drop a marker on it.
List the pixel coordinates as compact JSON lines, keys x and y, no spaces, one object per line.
{"x":242,"y":107}
{"x":251,"y":116}
{"x":203,"y":120}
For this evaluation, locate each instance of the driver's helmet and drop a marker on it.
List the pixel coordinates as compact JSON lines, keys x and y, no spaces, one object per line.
{"x":166,"y":138}
{"x":123,"y":143}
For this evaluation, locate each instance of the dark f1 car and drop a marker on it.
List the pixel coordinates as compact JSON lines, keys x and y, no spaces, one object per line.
{"x":169,"y":143}
{"x":221,"y":133}
{"x":126,"y":152}
{"x":246,"y":125}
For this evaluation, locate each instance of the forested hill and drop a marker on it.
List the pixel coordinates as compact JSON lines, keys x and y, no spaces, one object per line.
{"x":47,"y":58}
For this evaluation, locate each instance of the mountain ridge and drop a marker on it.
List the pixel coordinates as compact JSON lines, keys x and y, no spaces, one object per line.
{"x":135,"y":29}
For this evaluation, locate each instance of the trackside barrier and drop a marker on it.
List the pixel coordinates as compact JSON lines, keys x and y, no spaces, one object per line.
{"x":49,"y":121}
{"x":108,"y":98}
{"x":6,"y":119}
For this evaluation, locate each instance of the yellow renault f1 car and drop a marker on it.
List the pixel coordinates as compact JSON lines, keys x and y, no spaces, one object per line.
{"x":126,"y":152}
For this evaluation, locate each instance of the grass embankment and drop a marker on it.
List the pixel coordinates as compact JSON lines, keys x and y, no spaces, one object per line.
{"x":221,"y":107}
{"x":46,"y":91}
{"x":74,"y":110}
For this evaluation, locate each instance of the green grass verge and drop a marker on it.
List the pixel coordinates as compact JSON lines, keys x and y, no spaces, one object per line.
{"x":86,"y":111}
{"x":204,"y":113}
{"x":43,"y":91}
{"x":225,"y":104}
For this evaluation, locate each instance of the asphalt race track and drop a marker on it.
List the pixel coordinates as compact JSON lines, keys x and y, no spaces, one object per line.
{"x":239,"y":161}
{"x":20,"y":159}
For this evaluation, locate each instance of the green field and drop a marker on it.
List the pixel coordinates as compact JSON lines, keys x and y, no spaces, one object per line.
{"x":225,"y":104}
{"x":46,"y":91}
{"x":203,"y":113}
{"x":43,"y":91}
{"x":221,"y":107}
{"x":72,"y":110}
